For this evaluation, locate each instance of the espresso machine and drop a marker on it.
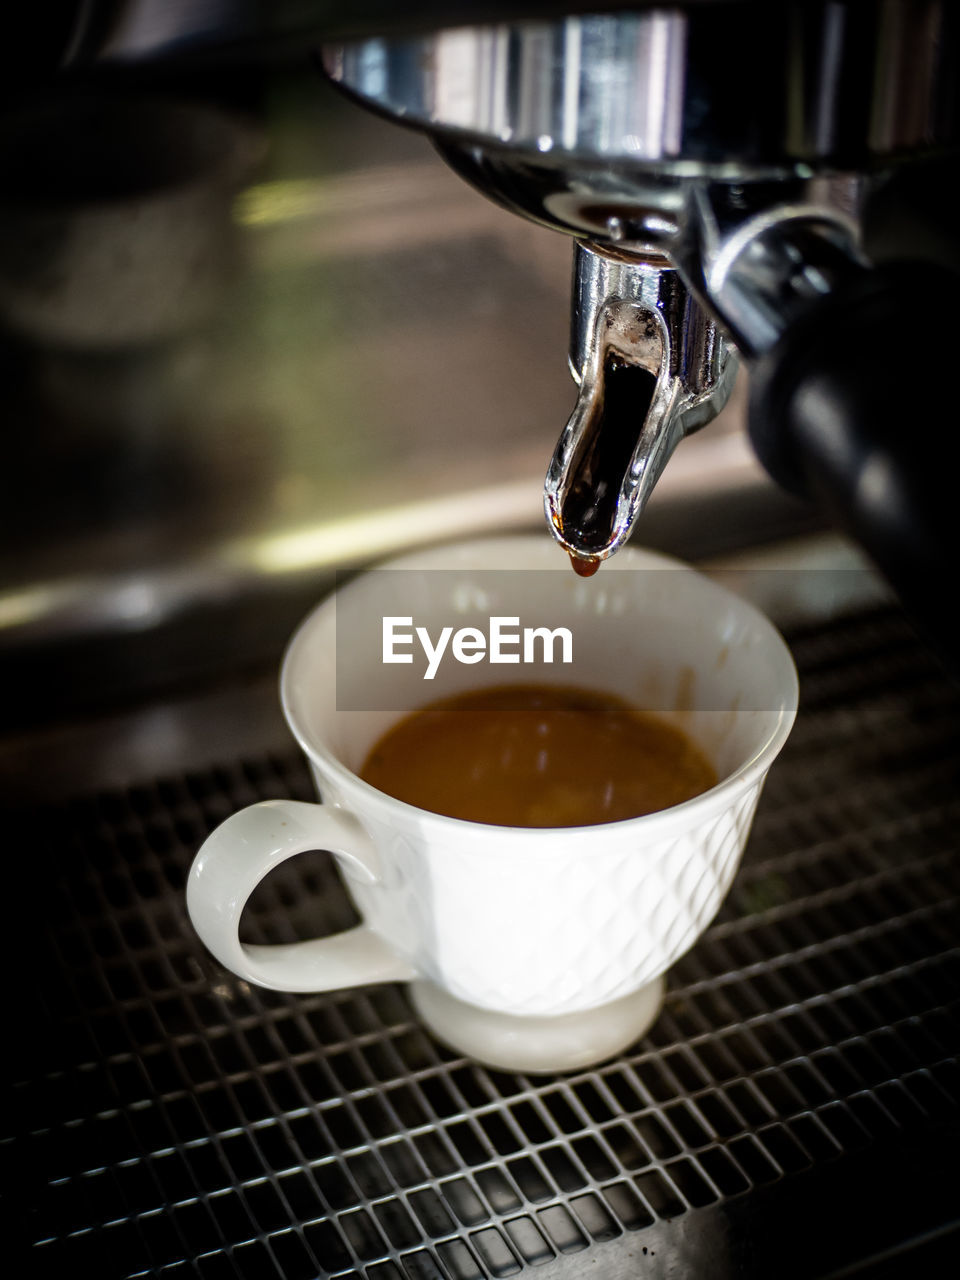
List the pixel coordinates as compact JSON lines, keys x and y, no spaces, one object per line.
{"x":716,"y":165}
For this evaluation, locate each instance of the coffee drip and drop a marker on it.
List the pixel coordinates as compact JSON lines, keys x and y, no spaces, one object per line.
{"x":583,"y":567}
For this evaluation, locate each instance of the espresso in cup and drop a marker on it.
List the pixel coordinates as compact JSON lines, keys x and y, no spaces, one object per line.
{"x":537,"y":756}
{"x":533,"y":937}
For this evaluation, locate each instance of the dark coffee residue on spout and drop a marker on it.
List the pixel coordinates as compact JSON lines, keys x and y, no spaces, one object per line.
{"x":588,"y":510}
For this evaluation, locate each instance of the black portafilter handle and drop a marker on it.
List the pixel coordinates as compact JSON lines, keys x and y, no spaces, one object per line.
{"x":856,"y":408}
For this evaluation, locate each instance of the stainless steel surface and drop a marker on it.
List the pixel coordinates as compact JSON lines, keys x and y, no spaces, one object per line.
{"x":662,"y":131}
{"x":633,"y":313}
{"x":662,"y":87}
{"x":761,"y":273}
{"x":605,"y":274}
{"x":598,"y":85}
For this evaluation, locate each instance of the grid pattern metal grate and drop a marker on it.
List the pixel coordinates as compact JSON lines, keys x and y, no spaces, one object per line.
{"x":168,"y":1119}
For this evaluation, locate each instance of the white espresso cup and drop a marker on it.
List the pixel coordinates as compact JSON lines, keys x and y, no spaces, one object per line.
{"x":534,"y":949}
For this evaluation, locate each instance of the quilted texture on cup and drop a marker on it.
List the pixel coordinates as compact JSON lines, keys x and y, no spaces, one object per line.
{"x":534,"y":929}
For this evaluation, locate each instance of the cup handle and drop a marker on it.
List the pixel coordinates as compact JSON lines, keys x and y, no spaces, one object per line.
{"x":235,"y":858}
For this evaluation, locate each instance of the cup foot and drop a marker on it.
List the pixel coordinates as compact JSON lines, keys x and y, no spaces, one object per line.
{"x":567,"y":1042}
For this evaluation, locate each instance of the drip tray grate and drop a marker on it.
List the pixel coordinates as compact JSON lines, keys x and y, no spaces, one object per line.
{"x":167,"y":1118}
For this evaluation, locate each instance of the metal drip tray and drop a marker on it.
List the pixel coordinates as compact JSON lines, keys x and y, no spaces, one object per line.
{"x":792,"y":1113}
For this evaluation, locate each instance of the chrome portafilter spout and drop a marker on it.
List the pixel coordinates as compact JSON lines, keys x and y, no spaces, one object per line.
{"x":652,"y":367}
